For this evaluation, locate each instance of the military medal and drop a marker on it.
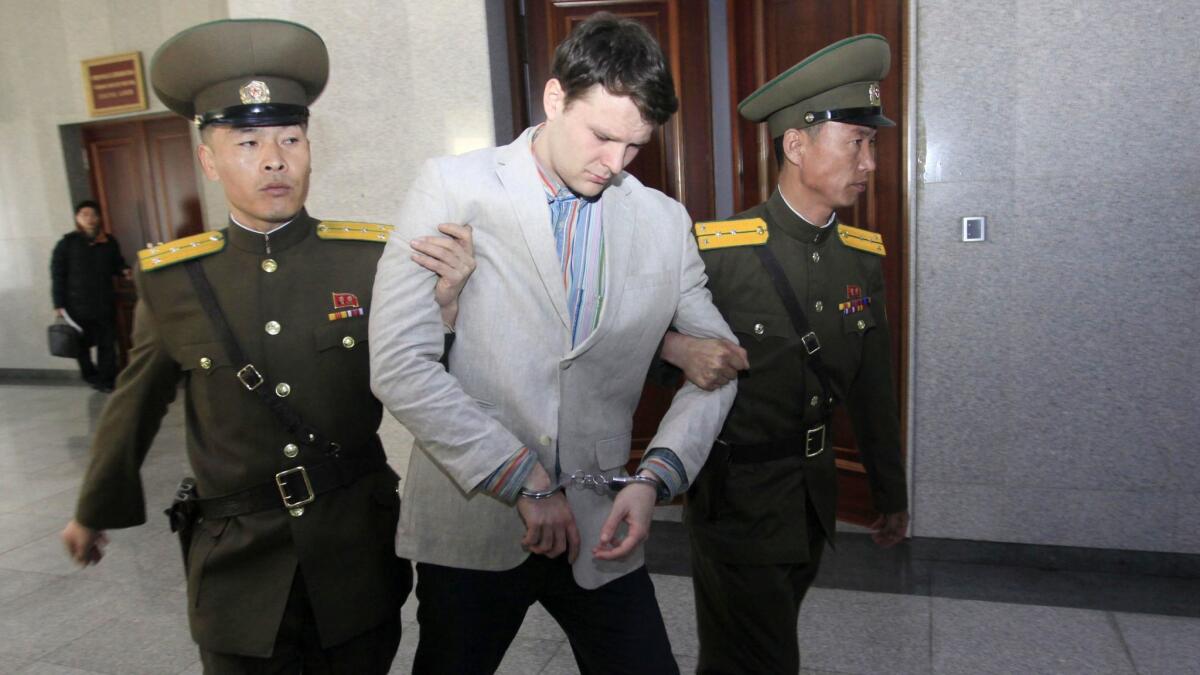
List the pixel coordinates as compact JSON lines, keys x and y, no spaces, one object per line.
{"x":855,"y":301}
{"x":347,"y":303}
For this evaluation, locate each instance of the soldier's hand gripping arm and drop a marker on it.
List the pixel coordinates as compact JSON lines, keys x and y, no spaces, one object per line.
{"x":452,"y":258}
{"x":707,"y":363}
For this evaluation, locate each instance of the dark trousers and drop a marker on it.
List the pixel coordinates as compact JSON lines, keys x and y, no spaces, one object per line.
{"x":746,"y":614}
{"x":298,"y":647}
{"x":102,"y":333}
{"x":468,"y":618}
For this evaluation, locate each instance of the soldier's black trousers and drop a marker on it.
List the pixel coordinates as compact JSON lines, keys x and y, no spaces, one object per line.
{"x":298,"y":647}
{"x":468,"y":618}
{"x":746,"y":614}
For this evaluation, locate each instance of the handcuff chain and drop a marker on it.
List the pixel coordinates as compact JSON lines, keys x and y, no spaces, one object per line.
{"x":596,"y":482}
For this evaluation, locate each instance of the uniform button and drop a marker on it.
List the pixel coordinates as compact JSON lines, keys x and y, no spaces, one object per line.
{"x":291,"y":449}
{"x":269,"y":265}
{"x":759,"y":329}
{"x":283,"y":389}
{"x":272,"y":328}
{"x":816,"y":400}
{"x":816,"y":256}
{"x":205,"y":362}
{"x":348,"y":342}
{"x":544,"y":440}
{"x":861,"y":324}
{"x":296,"y":511}
{"x":819,"y":306}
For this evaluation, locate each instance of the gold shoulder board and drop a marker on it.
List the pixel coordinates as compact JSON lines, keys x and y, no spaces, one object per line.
{"x":348,"y":229}
{"x":195,"y":246}
{"x":730,"y":233}
{"x":863,"y":240}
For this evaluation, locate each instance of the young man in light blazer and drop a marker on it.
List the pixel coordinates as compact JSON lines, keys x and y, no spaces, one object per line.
{"x":580,"y":270}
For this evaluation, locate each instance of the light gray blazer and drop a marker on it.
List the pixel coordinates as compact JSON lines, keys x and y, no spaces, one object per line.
{"x":514,"y":379}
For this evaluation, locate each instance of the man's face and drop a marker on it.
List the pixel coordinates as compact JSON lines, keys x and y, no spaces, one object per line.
{"x":836,"y":164}
{"x":264,"y":171}
{"x":88,"y":219}
{"x":591,"y":140}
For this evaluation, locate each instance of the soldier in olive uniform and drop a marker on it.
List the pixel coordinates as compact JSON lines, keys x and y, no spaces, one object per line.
{"x":291,"y":564}
{"x":804,"y":294}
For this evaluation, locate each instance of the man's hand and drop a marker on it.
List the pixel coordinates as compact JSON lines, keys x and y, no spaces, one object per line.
{"x":634,"y":506}
{"x":452,"y":258}
{"x":549,"y":524}
{"x":84,"y":545}
{"x":707,"y":363}
{"x":58,"y":311}
{"x":889,"y":528}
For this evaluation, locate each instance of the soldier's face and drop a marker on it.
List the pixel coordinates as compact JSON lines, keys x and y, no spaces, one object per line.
{"x":836,"y":164}
{"x":264,"y":171}
{"x":591,"y":140}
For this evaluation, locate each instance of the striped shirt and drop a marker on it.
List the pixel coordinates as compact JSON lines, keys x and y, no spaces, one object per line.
{"x":579,"y":240}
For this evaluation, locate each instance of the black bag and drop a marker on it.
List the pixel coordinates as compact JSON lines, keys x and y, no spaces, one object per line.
{"x":64,"y":339}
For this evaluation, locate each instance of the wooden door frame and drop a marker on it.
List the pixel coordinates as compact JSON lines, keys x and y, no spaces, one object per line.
{"x":904,"y":68}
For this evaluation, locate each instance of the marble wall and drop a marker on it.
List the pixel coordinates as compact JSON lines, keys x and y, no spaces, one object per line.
{"x":408,"y":80}
{"x":41,"y":46}
{"x":1055,"y":366}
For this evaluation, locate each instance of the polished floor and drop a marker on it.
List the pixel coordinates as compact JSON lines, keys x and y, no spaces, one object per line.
{"x":925,"y":607}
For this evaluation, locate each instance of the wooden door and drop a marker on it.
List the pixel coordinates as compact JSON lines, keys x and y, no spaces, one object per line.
{"x":678,"y":161}
{"x":765,"y":38}
{"x":143,"y":174}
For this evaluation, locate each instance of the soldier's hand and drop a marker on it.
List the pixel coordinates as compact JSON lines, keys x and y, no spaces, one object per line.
{"x":549,"y":524}
{"x":84,"y":545}
{"x":633,"y":506}
{"x":707,"y":363}
{"x":889,"y":529}
{"x":452,"y":258}
{"x":58,"y":311}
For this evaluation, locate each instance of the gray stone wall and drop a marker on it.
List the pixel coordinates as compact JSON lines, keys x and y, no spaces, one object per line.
{"x":1056,"y":397}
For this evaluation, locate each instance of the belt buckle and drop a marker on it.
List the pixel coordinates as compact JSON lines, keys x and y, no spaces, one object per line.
{"x":810,"y":342}
{"x":817,"y":433}
{"x":249,"y":374}
{"x":282,"y":483}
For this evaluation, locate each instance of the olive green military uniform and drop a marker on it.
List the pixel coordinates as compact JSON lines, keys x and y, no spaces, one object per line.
{"x":312,"y":584}
{"x":764,"y":505}
{"x":277,"y":293}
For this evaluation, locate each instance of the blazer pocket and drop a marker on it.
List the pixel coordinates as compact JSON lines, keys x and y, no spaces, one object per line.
{"x":639,"y":281}
{"x":612,"y":453}
{"x":203,"y":358}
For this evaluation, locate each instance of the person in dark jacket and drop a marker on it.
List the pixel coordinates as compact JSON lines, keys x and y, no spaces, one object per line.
{"x":81,"y":271}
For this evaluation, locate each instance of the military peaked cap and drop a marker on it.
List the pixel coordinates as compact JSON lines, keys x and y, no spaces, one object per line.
{"x":840,"y":83}
{"x":241,"y":72}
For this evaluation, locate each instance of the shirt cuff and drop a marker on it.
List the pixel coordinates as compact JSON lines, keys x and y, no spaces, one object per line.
{"x":505,"y":483}
{"x":665,"y":465}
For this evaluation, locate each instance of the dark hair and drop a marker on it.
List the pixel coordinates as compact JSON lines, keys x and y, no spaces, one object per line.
{"x":623,"y":57}
{"x":777,"y":143}
{"x":87,"y":204}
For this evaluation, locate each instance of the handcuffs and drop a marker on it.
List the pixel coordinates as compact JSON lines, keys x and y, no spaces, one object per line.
{"x":598,"y":483}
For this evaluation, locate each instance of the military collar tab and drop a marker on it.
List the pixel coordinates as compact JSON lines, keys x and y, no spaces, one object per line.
{"x":277,"y":240}
{"x":787,"y":221}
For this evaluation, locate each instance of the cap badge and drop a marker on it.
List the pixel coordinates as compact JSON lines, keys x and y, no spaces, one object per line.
{"x":255,"y":91}
{"x":873,"y":92}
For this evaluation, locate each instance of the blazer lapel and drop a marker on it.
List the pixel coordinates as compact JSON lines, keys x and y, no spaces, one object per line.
{"x":618,"y":215}
{"x":514,"y":166}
